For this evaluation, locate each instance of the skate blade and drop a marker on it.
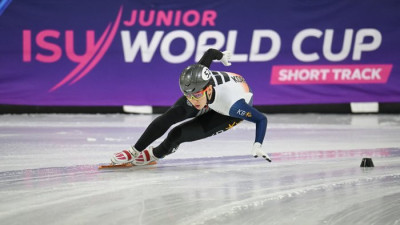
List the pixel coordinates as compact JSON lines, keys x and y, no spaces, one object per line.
{"x":126,"y":165}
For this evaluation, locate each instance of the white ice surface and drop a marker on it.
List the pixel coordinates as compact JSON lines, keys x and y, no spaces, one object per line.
{"x":49,"y":175}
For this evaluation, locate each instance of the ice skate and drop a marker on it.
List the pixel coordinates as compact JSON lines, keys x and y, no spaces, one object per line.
{"x":145,"y":157}
{"x":132,"y":157}
{"x":124,"y":157}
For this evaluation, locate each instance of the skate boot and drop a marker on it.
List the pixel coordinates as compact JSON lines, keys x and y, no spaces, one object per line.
{"x":145,"y":157}
{"x":126,"y":156}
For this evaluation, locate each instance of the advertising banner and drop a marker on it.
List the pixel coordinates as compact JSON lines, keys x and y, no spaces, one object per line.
{"x":112,"y":53}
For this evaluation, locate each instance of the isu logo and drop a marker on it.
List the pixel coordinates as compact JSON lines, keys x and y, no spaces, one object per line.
{"x":95,"y":50}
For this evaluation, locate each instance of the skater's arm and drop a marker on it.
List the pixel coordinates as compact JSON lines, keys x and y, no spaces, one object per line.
{"x":241,"y":109}
{"x":251,"y":114}
{"x":210,"y":55}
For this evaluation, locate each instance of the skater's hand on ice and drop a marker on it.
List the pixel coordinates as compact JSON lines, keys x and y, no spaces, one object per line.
{"x":257,"y":151}
{"x":226,"y":57}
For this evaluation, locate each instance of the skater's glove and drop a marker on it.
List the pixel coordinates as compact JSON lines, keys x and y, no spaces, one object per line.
{"x":226,"y":57}
{"x":257,"y":151}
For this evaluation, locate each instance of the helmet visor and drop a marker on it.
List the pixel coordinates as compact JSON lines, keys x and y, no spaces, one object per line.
{"x":197,"y":95}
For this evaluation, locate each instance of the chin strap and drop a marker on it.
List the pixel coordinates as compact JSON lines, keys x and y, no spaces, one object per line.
{"x":208,"y":99}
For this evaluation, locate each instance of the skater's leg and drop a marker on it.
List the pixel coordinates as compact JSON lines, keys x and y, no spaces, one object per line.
{"x":198,"y":128}
{"x":178,"y":112}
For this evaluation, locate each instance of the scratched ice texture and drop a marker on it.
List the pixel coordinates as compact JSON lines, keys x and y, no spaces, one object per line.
{"x":49,"y":172}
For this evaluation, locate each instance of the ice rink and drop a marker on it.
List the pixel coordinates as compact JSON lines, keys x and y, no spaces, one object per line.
{"x":49,"y":173}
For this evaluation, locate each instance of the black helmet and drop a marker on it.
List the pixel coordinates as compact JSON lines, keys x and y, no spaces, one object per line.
{"x":194,"y":79}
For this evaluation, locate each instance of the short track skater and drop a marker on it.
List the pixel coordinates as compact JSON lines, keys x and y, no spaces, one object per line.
{"x":213,"y":101}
